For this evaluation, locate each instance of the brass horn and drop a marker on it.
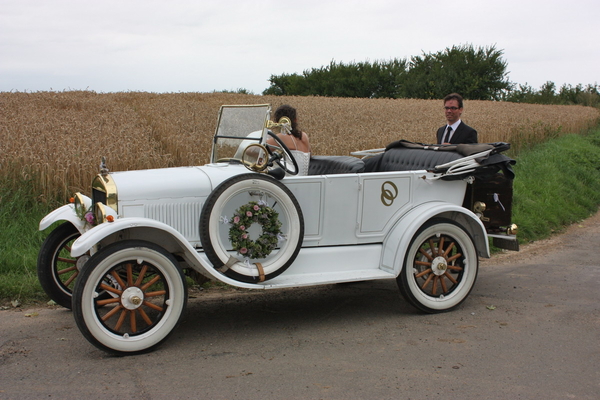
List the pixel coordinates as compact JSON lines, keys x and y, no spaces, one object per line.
{"x":283,"y":121}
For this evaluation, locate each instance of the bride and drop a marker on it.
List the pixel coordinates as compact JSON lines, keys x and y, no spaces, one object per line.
{"x":293,"y":138}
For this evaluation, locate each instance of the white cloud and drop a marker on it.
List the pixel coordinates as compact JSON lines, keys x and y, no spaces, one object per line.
{"x":188,"y":45}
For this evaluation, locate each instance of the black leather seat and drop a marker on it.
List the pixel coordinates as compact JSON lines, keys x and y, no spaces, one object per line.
{"x":328,"y":165}
{"x":405,"y":159}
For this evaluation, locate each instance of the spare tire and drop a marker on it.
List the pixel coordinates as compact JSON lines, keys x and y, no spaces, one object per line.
{"x":251,"y":227}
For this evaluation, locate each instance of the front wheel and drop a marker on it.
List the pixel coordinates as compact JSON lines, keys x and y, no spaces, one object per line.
{"x":440,"y":267}
{"x":56,"y":269}
{"x":138,"y":312}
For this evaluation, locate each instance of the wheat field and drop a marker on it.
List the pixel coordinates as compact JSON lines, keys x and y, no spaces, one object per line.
{"x":55,"y":140}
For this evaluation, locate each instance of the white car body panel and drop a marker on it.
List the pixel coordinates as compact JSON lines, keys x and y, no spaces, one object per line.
{"x":339,"y":210}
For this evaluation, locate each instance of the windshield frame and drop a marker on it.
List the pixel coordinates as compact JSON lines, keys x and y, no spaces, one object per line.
{"x":238,"y":126}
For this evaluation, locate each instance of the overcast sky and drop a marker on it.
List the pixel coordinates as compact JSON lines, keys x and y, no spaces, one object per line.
{"x":207,"y":45}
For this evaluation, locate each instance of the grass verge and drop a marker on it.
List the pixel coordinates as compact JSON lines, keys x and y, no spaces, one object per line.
{"x":557,"y":183}
{"x":20,"y":241}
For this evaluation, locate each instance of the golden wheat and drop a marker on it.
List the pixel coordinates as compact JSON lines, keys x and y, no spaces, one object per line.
{"x":56,"y":139}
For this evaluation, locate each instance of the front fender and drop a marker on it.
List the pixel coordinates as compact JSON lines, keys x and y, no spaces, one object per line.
{"x":397,"y":241}
{"x":155,"y":231}
{"x":100,"y":232}
{"x":64,"y":213}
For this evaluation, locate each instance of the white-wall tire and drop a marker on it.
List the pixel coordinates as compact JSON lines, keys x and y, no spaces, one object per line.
{"x":440,"y":267}
{"x":144,"y":305}
{"x":220,"y":207}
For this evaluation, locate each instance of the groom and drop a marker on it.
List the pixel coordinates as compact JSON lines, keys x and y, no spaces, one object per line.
{"x":455,"y":131}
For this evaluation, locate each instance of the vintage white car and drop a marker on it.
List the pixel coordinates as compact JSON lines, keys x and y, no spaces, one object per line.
{"x":419,"y":214}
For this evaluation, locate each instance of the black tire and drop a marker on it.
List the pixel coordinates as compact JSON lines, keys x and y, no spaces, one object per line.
{"x":56,"y":269}
{"x":224,"y":201}
{"x":440,"y":267}
{"x":143,"y":308}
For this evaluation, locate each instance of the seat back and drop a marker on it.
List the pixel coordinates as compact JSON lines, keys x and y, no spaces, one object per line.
{"x":328,"y":165}
{"x":406,"y":159}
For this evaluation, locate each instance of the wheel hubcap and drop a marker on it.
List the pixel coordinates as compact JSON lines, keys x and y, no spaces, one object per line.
{"x":439,"y":266}
{"x":132,"y":298}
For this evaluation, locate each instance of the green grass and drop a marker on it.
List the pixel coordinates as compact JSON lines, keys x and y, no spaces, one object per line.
{"x":557,"y":183}
{"x":20,"y":240}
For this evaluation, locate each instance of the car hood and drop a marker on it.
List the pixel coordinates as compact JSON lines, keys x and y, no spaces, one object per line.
{"x":163,"y":183}
{"x":174,"y":183}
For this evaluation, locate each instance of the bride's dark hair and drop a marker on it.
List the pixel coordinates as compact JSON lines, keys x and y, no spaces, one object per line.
{"x":288,"y":111}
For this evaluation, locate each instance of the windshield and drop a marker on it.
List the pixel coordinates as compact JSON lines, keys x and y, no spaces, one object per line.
{"x":237,"y":128}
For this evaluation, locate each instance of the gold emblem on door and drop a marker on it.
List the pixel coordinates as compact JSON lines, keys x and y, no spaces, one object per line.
{"x":389,"y":192}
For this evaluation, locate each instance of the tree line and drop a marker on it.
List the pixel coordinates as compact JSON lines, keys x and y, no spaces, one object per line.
{"x":548,"y":93}
{"x":477,"y":73}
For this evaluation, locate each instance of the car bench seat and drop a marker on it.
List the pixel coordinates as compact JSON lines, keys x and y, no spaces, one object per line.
{"x":405,"y":159}
{"x":403,"y":155}
{"x":328,"y":165}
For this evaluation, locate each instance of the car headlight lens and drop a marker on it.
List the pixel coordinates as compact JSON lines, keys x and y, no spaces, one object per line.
{"x":79,"y":204}
{"x":99,"y":213}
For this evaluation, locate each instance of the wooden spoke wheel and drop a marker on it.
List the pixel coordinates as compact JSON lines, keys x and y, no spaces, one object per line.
{"x":143,"y":305}
{"x":440,"y":267}
{"x":56,"y":269}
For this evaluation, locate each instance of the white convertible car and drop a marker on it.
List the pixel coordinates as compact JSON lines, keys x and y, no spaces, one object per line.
{"x":419,"y":214}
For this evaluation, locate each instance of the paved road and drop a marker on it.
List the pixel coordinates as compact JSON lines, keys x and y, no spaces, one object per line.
{"x":529,"y":330}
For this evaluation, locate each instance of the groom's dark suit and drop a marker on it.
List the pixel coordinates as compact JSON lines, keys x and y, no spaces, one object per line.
{"x":464,"y":134}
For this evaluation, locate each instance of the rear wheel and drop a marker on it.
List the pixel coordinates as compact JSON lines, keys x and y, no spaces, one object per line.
{"x":141,"y":309}
{"x":251,"y":228}
{"x":56,"y":269}
{"x":440,"y":267}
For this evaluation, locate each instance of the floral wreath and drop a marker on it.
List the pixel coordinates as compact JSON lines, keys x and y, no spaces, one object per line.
{"x":243,"y":218}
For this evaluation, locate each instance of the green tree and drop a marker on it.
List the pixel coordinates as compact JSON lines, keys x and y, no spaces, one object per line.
{"x":475,"y":73}
{"x":569,"y":94}
{"x":362,"y":79}
{"x":547,"y":93}
{"x":590,"y":96}
{"x":523,"y":94}
{"x":287,"y":85}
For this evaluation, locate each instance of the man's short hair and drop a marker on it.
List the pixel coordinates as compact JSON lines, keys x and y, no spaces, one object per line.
{"x":454,"y":96}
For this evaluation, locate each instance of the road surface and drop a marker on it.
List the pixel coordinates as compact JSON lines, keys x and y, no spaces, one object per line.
{"x":529,"y":330}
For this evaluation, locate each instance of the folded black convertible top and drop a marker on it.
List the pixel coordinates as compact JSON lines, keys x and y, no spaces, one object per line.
{"x":485,"y":158}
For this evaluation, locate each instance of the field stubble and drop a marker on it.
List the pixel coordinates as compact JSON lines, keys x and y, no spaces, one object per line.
{"x":55,"y":140}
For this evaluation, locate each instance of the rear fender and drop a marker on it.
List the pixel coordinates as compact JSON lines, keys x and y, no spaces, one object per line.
{"x":397,"y":241}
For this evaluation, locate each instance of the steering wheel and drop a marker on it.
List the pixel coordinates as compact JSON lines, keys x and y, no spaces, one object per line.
{"x":285,"y":158}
